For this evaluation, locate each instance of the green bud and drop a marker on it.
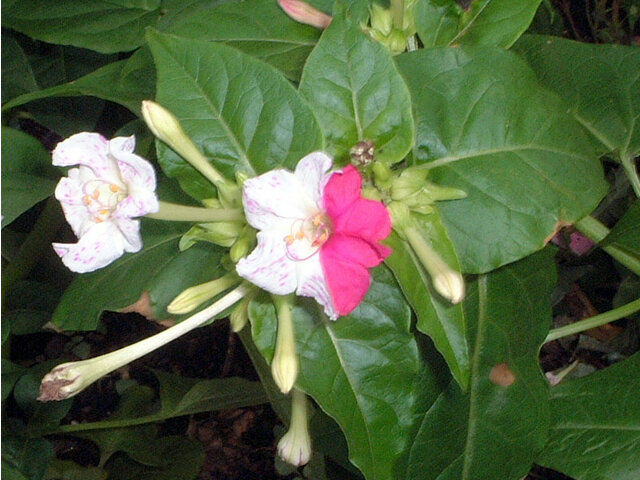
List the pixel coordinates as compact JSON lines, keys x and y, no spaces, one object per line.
{"x":371,"y":193}
{"x":285,"y":364}
{"x":400,"y":217}
{"x":382,"y":175}
{"x":193,"y":297}
{"x":240,"y":314}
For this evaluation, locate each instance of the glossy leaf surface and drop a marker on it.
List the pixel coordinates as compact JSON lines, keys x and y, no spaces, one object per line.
{"x":483,"y":22}
{"x":121,"y":283}
{"x":438,"y":318}
{"x":504,"y":416}
{"x":241,"y":113}
{"x":257,"y":27}
{"x":354,"y":99}
{"x":606,"y":101}
{"x":360,"y":369}
{"x":525,"y":164}
{"x":595,"y":425}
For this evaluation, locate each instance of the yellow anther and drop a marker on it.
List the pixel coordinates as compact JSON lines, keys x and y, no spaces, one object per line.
{"x":299,"y":235}
{"x":96,"y":194}
{"x":104,"y":212}
{"x":86,"y":200}
{"x":289,"y":239}
{"x":114,"y":188}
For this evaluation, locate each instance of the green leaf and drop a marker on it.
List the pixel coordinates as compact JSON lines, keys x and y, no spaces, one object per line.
{"x":360,"y":369}
{"x":241,"y":113}
{"x":357,"y":93}
{"x":159,"y":268}
{"x":525,"y":163}
{"x":442,"y":321}
{"x":485,"y":22}
{"x":17,"y":75}
{"x":11,"y":373}
{"x":25,"y":458}
{"x":126,"y":82}
{"x":185,"y":396}
{"x":100,"y":25}
{"x":493,"y":431}
{"x":27,"y":174}
{"x":257,"y":27}
{"x":595,"y":425}
{"x":607,"y":100}
{"x":626,"y":232}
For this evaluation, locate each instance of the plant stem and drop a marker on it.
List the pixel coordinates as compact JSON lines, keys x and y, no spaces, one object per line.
{"x":595,"y":321}
{"x":184,"y":213}
{"x":597,"y":232}
{"x":629,"y":166}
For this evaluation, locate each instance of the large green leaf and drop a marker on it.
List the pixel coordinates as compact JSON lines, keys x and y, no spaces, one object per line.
{"x":595,"y":425}
{"x":492,"y":432}
{"x":103,"y":25}
{"x":360,"y":369}
{"x":524,"y":162}
{"x":17,"y":75}
{"x":27,"y":174}
{"x":159,"y":268}
{"x":442,"y":321}
{"x":126,"y":82}
{"x":257,"y":27}
{"x":485,"y":22}
{"x":241,"y":113}
{"x":606,"y":101}
{"x":357,"y":93}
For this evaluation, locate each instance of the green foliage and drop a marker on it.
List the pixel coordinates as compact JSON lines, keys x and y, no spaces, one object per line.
{"x":597,"y":415}
{"x":242,"y":114}
{"x":477,"y":128}
{"x":357,"y":100}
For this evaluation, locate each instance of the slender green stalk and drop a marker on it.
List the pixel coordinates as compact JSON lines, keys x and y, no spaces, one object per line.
{"x":596,"y":231}
{"x":595,"y":321}
{"x":184,"y":213}
{"x":629,"y":166}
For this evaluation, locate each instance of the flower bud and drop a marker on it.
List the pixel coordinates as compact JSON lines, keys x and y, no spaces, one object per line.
{"x":400,"y":217}
{"x":243,"y":245}
{"x":166,"y":127}
{"x":193,"y":297}
{"x":240,"y":314}
{"x":447,"y":282}
{"x":382,"y":175}
{"x":285,"y":364}
{"x":304,"y":13}
{"x":295,"y":446}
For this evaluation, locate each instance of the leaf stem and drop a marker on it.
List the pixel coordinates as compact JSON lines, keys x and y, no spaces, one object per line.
{"x":184,"y":213}
{"x":397,"y":13}
{"x":595,"y":321}
{"x":597,"y":231}
{"x":629,"y":166}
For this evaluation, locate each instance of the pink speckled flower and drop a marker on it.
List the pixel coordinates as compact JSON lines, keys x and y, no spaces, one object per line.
{"x":317,"y":235}
{"x":100,"y":197}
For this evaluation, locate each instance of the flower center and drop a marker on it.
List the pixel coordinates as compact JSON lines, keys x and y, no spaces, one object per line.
{"x":307,"y":236}
{"x":102,"y":198}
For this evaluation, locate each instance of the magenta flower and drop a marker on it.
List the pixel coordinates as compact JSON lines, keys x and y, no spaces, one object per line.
{"x":317,"y":235}
{"x":100,"y":197}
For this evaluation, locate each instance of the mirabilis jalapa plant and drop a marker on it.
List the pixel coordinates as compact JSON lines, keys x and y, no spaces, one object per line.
{"x":348,"y":191}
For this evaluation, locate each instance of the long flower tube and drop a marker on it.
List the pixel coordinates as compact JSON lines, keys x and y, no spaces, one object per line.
{"x":285,"y":365}
{"x":71,"y":378}
{"x":295,"y":446}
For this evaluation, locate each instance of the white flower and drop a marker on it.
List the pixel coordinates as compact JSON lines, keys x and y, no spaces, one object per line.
{"x":317,"y":235}
{"x":100,"y":197}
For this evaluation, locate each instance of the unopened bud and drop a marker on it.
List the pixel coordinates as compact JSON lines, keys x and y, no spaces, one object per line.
{"x":243,"y":245}
{"x":304,"y":13}
{"x":193,"y":297}
{"x":285,"y":364}
{"x":447,"y":281}
{"x":295,"y":446}
{"x":240,"y":314}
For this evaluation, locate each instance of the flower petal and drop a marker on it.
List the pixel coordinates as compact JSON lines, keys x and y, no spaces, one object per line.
{"x":348,"y":282}
{"x":312,"y":173}
{"x":364,"y":218}
{"x":273,"y":199}
{"x":91,"y":150}
{"x":136,"y":172}
{"x":342,"y":189}
{"x":312,"y":283}
{"x":98,"y":247}
{"x":268,"y":266}
{"x":130,"y":231}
